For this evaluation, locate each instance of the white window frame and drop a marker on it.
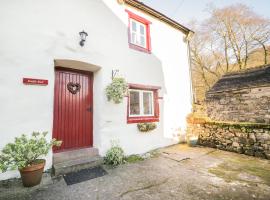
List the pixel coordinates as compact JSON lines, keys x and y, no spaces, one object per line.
{"x":141,"y":103}
{"x":138,"y":34}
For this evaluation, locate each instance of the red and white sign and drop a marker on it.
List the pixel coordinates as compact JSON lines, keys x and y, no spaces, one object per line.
{"x":33,"y":81}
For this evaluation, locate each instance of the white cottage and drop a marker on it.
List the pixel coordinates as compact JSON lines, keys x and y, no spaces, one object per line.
{"x":52,"y":80}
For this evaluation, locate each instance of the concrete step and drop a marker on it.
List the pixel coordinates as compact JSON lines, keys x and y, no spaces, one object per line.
{"x":76,"y":165}
{"x":74,"y":155}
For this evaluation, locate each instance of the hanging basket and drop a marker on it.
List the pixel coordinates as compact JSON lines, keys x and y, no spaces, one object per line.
{"x":116,"y":90}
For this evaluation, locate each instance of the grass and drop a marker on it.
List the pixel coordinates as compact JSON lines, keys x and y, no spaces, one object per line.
{"x":134,"y":158}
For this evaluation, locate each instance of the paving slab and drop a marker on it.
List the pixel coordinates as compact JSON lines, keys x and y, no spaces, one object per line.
{"x":174,"y":173}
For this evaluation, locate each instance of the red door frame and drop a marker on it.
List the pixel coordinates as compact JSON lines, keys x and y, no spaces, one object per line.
{"x":90,"y":83}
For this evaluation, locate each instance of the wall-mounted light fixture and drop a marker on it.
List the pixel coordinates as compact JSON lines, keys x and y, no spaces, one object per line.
{"x":83,"y":36}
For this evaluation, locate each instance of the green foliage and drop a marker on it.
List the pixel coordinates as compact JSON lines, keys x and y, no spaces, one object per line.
{"x":134,"y":158}
{"x":115,"y":155}
{"x":25,"y":151}
{"x":116,"y":90}
{"x":146,"y":127}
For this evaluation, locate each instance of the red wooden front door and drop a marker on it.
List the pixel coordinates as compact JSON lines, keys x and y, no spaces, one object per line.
{"x":73,"y":101}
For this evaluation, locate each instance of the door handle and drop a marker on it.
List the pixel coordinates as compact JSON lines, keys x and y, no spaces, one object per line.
{"x":89,"y":109}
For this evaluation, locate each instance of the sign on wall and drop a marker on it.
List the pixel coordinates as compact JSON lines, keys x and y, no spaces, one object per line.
{"x":33,"y":81}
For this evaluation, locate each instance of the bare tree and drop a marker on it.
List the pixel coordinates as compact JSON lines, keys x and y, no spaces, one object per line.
{"x":225,"y":42}
{"x":234,"y":25}
{"x":262,"y":37}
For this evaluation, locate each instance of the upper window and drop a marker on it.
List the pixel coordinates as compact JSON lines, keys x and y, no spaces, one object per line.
{"x":139,"y":33}
{"x":143,"y":103}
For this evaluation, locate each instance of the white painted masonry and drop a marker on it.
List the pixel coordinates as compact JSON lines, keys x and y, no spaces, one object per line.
{"x":34,"y":33}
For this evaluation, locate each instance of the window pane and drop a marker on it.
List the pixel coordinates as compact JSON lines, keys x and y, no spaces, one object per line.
{"x":142,"y":42}
{"x":134,"y":102}
{"x":133,"y":26}
{"x":142,"y":29}
{"x":147,"y":103}
{"x":134,"y":38}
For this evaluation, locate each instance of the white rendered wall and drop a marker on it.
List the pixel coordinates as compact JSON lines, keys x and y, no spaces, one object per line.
{"x":34,"y":33}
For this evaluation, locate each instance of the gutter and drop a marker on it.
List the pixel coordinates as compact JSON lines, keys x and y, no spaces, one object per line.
{"x":154,"y":13}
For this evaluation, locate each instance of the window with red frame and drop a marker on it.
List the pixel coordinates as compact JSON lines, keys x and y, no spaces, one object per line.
{"x":143,"y":105}
{"x":139,"y":33}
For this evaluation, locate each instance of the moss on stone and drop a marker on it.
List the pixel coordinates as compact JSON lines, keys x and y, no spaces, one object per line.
{"x":227,"y":175}
{"x":248,"y":126}
{"x":239,"y":125}
{"x":233,"y":167}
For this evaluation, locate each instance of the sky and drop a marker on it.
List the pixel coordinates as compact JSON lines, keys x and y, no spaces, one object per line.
{"x":184,"y":11}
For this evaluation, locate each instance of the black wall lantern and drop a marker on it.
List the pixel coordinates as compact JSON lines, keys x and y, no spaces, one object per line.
{"x":83,"y":35}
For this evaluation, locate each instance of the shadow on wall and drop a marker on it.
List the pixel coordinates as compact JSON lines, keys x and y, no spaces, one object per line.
{"x":148,"y":69}
{"x":136,"y":66}
{"x":107,"y":46}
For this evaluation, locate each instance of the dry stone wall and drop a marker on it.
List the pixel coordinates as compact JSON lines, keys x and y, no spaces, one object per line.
{"x":238,"y":114}
{"x":249,"y":139}
{"x":244,"y":105}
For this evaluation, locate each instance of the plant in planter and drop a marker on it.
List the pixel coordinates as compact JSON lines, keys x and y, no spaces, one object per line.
{"x":25,"y":154}
{"x":146,"y":127}
{"x":117,"y":90}
{"x":192,"y":141}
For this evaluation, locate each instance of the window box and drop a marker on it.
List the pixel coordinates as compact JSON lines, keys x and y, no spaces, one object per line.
{"x":139,"y":33}
{"x":143,"y":104}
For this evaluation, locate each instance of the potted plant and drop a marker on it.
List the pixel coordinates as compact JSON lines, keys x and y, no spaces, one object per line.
{"x":192,"y":141}
{"x":25,"y":154}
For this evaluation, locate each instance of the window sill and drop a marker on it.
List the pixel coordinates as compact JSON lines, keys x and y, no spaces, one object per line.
{"x":132,"y":120}
{"x":138,"y":48}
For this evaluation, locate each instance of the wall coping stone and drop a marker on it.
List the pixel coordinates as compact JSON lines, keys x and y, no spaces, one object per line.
{"x":201,"y":120}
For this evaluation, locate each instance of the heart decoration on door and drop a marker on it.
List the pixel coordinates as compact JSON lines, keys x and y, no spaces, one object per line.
{"x":73,"y":87}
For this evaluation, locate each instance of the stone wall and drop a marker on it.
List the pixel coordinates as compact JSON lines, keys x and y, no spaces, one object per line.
{"x":250,"y":139}
{"x":241,"y":105}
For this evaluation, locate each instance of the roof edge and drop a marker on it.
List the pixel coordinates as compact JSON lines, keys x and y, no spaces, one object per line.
{"x":248,"y":78}
{"x":141,"y":6}
{"x":221,"y":91}
{"x":246,"y":71}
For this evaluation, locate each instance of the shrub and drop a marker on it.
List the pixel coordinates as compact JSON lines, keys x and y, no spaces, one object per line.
{"x":25,"y":151}
{"x":146,"y":127}
{"x":116,"y":90}
{"x":115,"y":155}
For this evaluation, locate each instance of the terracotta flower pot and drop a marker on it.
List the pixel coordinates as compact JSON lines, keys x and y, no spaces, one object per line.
{"x":32,"y":175}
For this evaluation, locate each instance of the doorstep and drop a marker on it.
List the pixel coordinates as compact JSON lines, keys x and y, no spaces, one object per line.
{"x":76,"y":160}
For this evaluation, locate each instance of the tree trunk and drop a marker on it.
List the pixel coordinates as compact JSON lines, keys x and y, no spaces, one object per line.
{"x":265,"y":54}
{"x":226,"y":53}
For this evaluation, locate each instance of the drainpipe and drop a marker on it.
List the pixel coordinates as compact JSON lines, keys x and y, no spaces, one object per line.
{"x":192,"y":96}
{"x":188,"y":38}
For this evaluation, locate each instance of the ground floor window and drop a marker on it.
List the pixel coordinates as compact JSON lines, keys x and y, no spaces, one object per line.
{"x":143,"y":103}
